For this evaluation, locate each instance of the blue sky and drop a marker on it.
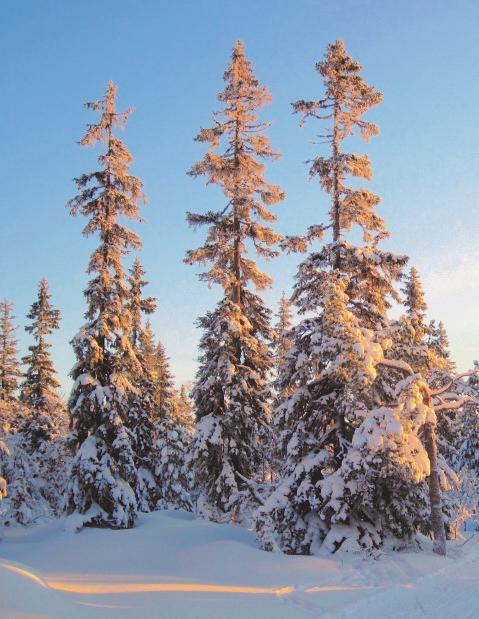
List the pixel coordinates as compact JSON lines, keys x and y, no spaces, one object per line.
{"x":168,"y":59}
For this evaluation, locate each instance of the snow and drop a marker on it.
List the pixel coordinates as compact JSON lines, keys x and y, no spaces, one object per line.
{"x":152,"y":571}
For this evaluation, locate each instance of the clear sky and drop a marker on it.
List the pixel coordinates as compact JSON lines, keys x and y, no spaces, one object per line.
{"x":168,"y":59}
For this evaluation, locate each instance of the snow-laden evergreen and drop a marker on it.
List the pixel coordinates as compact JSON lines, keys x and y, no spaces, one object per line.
{"x":172,"y":440}
{"x":141,"y":406}
{"x":232,"y":402}
{"x":103,"y":473}
{"x":184,"y":410}
{"x":467,"y":454}
{"x":322,"y":425}
{"x":26,"y":500}
{"x":232,"y":394}
{"x":171,"y":470}
{"x":348,"y":445}
{"x":10,"y":373}
{"x":39,"y":389}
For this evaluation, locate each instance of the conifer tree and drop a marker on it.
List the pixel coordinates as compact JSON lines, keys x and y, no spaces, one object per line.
{"x":283,"y":341}
{"x":232,"y":392}
{"x":371,"y":272}
{"x":171,"y":469}
{"x":343,"y":291}
{"x":184,"y":411}
{"x":438,"y":342}
{"x":4,"y":453}
{"x":25,"y":501}
{"x":165,"y":392}
{"x":467,"y":452}
{"x":172,"y":439}
{"x":412,"y":344}
{"x":39,"y":390}
{"x":103,"y":473}
{"x":9,"y":366}
{"x":141,"y":409}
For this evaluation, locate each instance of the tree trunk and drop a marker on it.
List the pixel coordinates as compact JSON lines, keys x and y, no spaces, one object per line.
{"x":336,"y":205}
{"x":437,"y":521}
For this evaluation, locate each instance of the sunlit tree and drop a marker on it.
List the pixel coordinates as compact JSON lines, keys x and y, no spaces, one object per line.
{"x":9,"y":365}
{"x":103,"y":474}
{"x":232,"y":393}
{"x":330,"y":376}
{"x":39,"y":390}
{"x":141,"y":408}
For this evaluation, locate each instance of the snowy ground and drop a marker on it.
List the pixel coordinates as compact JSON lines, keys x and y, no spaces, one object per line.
{"x":171,"y":566}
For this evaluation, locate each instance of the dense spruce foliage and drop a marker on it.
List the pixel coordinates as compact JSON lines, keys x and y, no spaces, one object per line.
{"x":233,"y":392}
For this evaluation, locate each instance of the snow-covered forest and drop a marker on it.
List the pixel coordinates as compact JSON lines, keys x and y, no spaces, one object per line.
{"x":333,"y":425}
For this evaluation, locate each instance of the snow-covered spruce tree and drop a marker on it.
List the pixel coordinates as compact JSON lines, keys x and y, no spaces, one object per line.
{"x":467,"y":453}
{"x":232,"y":393}
{"x":379,"y":489}
{"x":411,"y":344}
{"x":39,"y":389}
{"x":26,"y":500}
{"x":171,"y":470}
{"x":141,"y":409}
{"x":103,"y":472}
{"x":371,"y":272}
{"x":184,"y":412}
{"x":4,"y":453}
{"x":172,"y":440}
{"x":281,"y":345}
{"x":9,"y":370}
{"x":165,"y":391}
{"x":320,"y":420}
{"x":438,"y":342}
{"x":283,"y":341}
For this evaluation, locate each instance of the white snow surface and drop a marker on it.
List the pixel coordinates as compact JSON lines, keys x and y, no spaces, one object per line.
{"x":171,"y":548}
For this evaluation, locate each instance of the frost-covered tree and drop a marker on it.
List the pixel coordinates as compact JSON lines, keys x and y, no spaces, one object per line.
{"x":379,"y":489}
{"x":412,"y":344}
{"x":138,"y":304}
{"x":232,"y":392}
{"x":171,"y":470}
{"x":172,"y":439}
{"x":330,"y":369}
{"x":9,"y":365}
{"x":334,"y":369}
{"x":4,"y":453}
{"x":184,"y":412}
{"x":438,"y":343}
{"x":165,"y":392}
{"x":467,"y":454}
{"x":103,"y":473}
{"x":39,"y":390}
{"x":283,"y":341}
{"x":26,"y":500}
{"x":371,"y":271}
{"x":141,"y":409}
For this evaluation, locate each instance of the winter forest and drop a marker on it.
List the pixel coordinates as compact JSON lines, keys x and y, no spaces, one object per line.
{"x":334,"y":424}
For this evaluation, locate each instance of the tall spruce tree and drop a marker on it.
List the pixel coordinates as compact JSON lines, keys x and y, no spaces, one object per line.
{"x":141,"y":409}
{"x":344,"y":292}
{"x":283,"y":341}
{"x":39,"y":390}
{"x":184,"y":412}
{"x":9,"y":365}
{"x":172,"y":439}
{"x":165,"y":392}
{"x":103,"y":473}
{"x":232,"y":393}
